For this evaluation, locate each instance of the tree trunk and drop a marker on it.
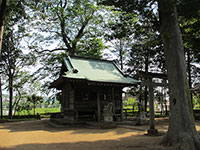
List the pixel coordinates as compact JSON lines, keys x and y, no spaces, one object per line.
{"x":121,"y":54}
{"x":2,"y":16}
{"x":181,"y":133}
{"x":146,"y":88}
{"x":1,"y":100}
{"x":1,"y":36}
{"x":34,"y":107}
{"x":11,"y":96}
{"x":16,"y":102}
{"x":189,"y":74}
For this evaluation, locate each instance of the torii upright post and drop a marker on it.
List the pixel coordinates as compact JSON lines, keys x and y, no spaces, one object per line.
{"x":152,"y":129}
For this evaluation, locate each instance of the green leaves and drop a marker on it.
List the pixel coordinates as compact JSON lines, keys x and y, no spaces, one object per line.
{"x":74,"y":29}
{"x":34,"y":99}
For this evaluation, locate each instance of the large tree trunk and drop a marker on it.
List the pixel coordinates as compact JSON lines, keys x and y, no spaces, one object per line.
{"x":1,"y":100}
{"x":181,"y":133}
{"x":2,"y":16}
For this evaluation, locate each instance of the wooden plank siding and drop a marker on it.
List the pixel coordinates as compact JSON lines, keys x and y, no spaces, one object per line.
{"x":81,"y":100}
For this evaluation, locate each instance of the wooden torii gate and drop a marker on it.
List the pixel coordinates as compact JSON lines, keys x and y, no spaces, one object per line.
{"x":148,"y":76}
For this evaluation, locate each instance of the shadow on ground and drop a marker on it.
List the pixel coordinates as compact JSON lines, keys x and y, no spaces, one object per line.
{"x":129,"y":143}
{"x":38,"y":125}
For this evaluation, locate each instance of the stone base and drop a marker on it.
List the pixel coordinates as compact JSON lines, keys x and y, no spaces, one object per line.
{"x":142,"y":116}
{"x":108,"y":125}
{"x":108,"y":118}
{"x":152,"y":132}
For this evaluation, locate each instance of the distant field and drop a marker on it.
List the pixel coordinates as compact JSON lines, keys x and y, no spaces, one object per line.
{"x":39,"y":111}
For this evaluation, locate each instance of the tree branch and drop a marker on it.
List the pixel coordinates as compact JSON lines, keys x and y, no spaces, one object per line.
{"x":65,"y":5}
{"x":53,"y":50}
{"x":80,"y":33}
{"x":65,"y":38}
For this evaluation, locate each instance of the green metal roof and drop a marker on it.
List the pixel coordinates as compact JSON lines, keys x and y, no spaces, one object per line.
{"x":95,"y":70}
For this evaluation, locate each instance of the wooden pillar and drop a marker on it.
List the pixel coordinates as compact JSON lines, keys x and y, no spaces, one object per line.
{"x":113,"y":99}
{"x":122,"y":113}
{"x":98,"y":107}
{"x":62,"y":102}
{"x":152,"y":129}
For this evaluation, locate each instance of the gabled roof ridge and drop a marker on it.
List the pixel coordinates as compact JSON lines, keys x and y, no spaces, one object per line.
{"x":89,"y":58}
{"x":115,"y":64}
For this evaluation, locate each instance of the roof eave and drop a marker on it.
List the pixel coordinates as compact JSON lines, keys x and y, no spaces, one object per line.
{"x":56,"y":83}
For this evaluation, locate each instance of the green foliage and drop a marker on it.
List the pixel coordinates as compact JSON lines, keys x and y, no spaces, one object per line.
{"x":120,"y":31}
{"x":196,"y":101}
{"x":13,"y":60}
{"x":91,"y":48}
{"x":34,"y":100}
{"x":130,"y":103}
{"x":190,"y":27}
{"x":147,"y":52}
{"x":59,"y":97}
{"x":72,"y":27}
{"x":28,"y":104}
{"x":68,"y":23}
{"x":138,"y":42}
{"x":24,"y":108}
{"x":147,"y":41}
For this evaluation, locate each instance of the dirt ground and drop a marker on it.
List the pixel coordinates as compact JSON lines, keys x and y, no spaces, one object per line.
{"x":38,"y":135}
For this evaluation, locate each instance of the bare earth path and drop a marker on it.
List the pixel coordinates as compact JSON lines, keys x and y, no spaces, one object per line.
{"x":38,"y":135}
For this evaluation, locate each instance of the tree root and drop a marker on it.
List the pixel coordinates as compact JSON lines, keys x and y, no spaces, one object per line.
{"x":182,"y":142}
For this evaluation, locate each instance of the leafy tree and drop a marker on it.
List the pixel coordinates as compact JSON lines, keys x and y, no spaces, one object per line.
{"x":12,"y":58}
{"x":8,"y":64}
{"x":7,"y":7}
{"x":137,"y":44}
{"x":120,"y":33}
{"x":71,"y":23}
{"x":2,"y":18}
{"x":146,"y":53}
{"x":21,"y":87}
{"x":35,"y":100}
{"x":72,"y":27}
{"x":191,"y":31}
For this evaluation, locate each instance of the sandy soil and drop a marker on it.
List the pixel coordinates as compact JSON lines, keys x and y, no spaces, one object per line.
{"x":38,"y":135}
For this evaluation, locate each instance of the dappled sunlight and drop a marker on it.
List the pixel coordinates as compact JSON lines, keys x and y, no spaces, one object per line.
{"x":198,"y":125}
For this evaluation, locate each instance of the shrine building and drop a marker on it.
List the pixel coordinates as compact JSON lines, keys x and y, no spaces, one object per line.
{"x":88,"y":85}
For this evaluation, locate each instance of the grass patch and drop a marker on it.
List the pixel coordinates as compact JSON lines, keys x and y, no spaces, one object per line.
{"x":39,"y":111}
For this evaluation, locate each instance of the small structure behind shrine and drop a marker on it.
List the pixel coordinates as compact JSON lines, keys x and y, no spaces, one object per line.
{"x":90,"y":87}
